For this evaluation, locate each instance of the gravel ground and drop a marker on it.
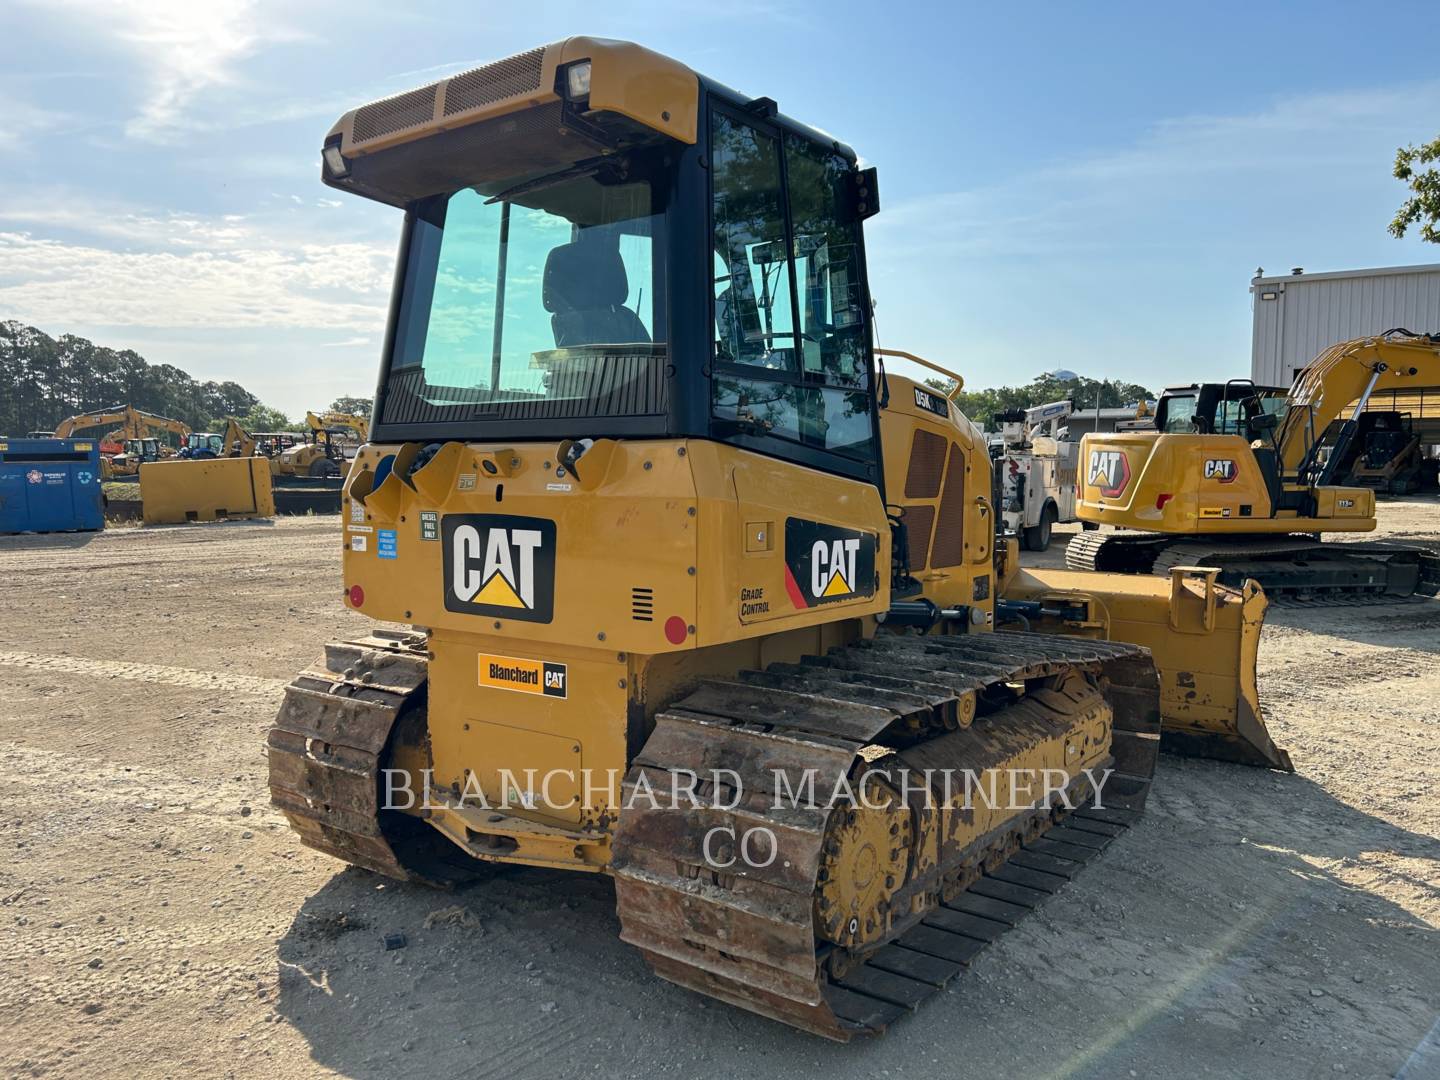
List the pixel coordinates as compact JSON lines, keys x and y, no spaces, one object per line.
{"x":158,"y":919}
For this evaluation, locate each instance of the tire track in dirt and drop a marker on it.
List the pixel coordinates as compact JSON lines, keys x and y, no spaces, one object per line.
{"x":151,"y":673}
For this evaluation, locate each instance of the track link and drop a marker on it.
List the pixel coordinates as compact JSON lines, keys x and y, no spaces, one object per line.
{"x":757,"y":936}
{"x":342,"y":719}
{"x":1288,"y":568}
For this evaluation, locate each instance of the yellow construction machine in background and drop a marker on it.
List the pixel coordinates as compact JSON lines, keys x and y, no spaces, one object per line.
{"x":135,"y":437}
{"x":321,"y":454}
{"x":660,"y":523}
{"x":1243,"y":478}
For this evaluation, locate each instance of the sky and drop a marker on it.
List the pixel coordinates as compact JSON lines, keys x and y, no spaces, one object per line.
{"x":1072,"y":185}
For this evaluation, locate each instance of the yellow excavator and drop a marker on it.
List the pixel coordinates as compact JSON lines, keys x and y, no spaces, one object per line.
{"x":134,"y":437}
{"x":698,"y":596}
{"x":1245,"y":479}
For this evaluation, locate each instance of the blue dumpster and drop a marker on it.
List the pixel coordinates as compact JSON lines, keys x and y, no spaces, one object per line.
{"x":50,"y":485}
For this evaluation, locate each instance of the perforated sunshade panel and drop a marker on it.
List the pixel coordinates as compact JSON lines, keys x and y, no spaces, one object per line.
{"x":927,"y":462}
{"x":511,"y":77}
{"x":949,"y":547}
{"x":394,"y":114}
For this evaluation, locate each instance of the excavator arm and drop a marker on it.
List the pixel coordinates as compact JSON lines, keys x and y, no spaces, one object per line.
{"x":238,"y":437}
{"x":1343,"y":375}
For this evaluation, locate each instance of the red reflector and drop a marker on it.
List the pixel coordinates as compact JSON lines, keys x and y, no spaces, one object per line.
{"x":1162,"y":499}
{"x":676,"y":630}
{"x":357,"y":595}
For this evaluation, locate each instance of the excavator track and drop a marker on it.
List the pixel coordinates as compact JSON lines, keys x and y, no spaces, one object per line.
{"x":771,"y":932}
{"x":338,"y":727}
{"x":1288,"y":568}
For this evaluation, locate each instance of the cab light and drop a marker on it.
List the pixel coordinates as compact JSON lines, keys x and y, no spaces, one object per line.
{"x":357,"y":595}
{"x":1162,"y":499}
{"x":577,"y":80}
{"x":334,"y":159}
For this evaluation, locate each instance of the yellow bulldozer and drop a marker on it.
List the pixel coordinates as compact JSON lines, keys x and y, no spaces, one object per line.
{"x":700,"y":597}
{"x":1247,"y":479}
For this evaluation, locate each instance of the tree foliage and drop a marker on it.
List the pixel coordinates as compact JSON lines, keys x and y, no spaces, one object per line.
{"x":354,"y":406}
{"x":982,"y":405}
{"x":46,"y":379}
{"x":263,"y":418}
{"x":1423,"y":205}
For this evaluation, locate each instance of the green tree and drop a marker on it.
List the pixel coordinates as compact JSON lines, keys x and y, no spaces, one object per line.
{"x":355,"y":406}
{"x":982,"y":405}
{"x":46,"y":379}
{"x":1423,"y":205}
{"x":263,"y":418}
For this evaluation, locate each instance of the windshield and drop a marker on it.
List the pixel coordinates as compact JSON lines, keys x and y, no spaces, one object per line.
{"x":1232,"y":417}
{"x":548,"y":303}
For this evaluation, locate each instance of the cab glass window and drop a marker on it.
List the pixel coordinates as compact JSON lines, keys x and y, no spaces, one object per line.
{"x":1180,"y":416}
{"x":753,"y":310}
{"x":791,"y":358}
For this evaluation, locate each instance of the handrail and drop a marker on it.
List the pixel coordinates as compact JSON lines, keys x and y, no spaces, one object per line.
{"x":899,"y":354}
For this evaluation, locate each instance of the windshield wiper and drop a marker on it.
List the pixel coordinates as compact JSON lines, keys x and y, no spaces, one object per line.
{"x":574,"y":172}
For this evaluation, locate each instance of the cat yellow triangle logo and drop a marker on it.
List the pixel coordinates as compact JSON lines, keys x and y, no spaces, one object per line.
{"x":838,"y":586}
{"x":499,"y":592}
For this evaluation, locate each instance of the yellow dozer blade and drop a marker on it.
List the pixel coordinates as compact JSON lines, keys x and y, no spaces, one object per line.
{"x":1204,"y":637}
{"x":205,"y":489}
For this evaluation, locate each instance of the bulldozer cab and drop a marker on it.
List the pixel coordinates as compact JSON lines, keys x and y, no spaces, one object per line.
{"x":602,"y":317}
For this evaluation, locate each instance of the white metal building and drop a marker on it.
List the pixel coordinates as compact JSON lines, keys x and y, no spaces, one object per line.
{"x":1298,"y":315}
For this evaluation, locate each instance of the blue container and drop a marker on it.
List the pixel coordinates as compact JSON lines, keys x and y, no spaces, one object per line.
{"x":50,"y":485}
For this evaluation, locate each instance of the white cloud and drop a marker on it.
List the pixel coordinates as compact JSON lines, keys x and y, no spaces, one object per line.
{"x":185,"y":47}
{"x":269,"y":284}
{"x":20,"y":119}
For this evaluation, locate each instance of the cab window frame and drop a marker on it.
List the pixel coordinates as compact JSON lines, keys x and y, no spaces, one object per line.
{"x":868,"y":467}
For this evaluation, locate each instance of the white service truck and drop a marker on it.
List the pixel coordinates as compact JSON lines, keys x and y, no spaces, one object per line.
{"x":1037,"y":463}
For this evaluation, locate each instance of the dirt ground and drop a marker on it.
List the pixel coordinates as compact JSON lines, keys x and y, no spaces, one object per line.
{"x":158,"y":919}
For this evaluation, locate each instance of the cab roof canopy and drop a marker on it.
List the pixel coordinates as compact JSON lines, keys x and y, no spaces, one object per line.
{"x":497,"y":126}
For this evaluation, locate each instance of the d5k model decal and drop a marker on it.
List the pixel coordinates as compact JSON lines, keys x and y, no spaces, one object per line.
{"x":825,"y":563}
{"x":499,"y":565}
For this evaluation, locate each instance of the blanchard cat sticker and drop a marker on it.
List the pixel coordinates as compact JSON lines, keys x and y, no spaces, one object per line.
{"x":825,"y":563}
{"x":523,"y":675}
{"x":499,"y":565}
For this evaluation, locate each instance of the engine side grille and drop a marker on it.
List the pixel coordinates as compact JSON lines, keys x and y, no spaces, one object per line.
{"x":486,"y":85}
{"x":642,"y":604}
{"x":919,"y":522}
{"x":927,"y":462}
{"x":394,"y":114}
{"x":949,"y":547}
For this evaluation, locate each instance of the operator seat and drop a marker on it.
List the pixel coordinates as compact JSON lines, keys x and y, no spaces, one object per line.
{"x":585,"y":290}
